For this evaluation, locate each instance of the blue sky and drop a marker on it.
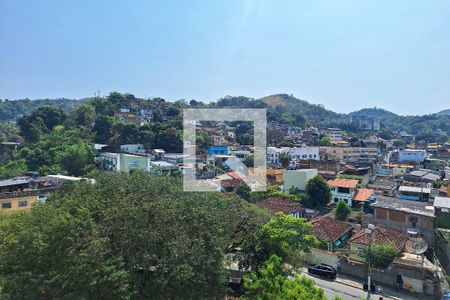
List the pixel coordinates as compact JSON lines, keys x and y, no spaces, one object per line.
{"x":345,"y":55}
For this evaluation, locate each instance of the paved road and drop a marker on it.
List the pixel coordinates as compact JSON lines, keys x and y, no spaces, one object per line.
{"x":333,"y":289}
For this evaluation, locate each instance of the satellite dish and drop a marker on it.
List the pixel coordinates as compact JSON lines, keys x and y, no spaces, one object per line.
{"x":419,"y":246}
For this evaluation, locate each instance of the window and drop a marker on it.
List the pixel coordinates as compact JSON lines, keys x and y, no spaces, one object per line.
{"x":23,"y":203}
{"x":336,"y":199}
{"x":6,"y":205}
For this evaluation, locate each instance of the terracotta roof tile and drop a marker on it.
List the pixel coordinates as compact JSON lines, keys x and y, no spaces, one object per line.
{"x":279,"y":204}
{"x":380,"y":235}
{"x":329,"y":229}
{"x":363,"y":195}
{"x":343,"y":183}
{"x":235,"y":175}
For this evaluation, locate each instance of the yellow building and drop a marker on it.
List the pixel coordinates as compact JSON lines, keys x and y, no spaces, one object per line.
{"x":17,"y":203}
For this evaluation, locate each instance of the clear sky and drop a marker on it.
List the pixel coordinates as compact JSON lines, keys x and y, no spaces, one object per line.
{"x":345,"y":55}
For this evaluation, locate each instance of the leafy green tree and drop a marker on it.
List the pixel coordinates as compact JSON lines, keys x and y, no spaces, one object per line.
{"x":76,"y":158}
{"x":272,"y":282}
{"x":325,"y":141}
{"x":318,"y":191}
{"x":343,"y":211}
{"x":170,"y":140}
{"x":284,"y":236}
{"x":285,"y":159}
{"x":123,"y":237}
{"x":382,"y":255}
{"x":84,"y":115}
{"x":103,"y":128}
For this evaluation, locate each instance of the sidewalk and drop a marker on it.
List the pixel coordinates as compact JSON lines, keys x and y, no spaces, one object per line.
{"x":388,"y":292}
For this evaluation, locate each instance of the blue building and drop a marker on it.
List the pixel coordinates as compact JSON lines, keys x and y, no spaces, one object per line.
{"x":412,"y":155}
{"x":218,"y":150}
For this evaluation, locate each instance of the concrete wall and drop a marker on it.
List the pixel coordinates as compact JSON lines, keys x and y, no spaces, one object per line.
{"x":320,"y":256}
{"x":298,"y":178}
{"x":413,"y":279}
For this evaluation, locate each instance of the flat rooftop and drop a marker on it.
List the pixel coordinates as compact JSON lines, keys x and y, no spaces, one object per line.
{"x":414,"y":189}
{"x":412,"y":207}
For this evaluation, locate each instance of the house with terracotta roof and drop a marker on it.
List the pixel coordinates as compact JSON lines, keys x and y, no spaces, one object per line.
{"x":343,"y":189}
{"x":360,"y":240}
{"x":333,"y":232}
{"x":279,"y":204}
{"x":412,"y":217}
{"x":363,"y":198}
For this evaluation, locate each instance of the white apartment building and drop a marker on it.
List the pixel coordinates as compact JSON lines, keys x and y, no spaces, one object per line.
{"x":335,"y":134}
{"x":296,"y":153}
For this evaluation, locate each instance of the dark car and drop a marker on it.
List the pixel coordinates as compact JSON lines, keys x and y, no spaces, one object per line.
{"x":322,"y":270}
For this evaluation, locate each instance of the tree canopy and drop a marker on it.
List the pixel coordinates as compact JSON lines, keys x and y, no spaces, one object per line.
{"x":126,"y":236}
{"x":318,"y":191}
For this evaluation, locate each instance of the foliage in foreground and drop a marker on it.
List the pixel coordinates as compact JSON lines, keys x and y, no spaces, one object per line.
{"x":284,"y":236}
{"x":343,"y":211}
{"x":125,"y":237}
{"x":382,"y":255}
{"x":273,"y":281}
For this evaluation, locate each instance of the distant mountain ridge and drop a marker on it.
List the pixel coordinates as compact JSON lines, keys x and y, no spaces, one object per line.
{"x":445,"y":112}
{"x":11,"y":110}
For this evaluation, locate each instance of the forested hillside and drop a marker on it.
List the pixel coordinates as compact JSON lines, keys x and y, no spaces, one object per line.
{"x":11,"y":110}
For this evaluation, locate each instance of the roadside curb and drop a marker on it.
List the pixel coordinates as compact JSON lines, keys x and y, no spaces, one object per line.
{"x":359,"y":286}
{"x":356,"y":286}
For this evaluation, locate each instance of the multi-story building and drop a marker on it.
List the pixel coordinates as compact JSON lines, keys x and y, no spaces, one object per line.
{"x":412,"y":155}
{"x":366,"y":123}
{"x":118,"y":162}
{"x":411,"y":217}
{"x":335,"y":134}
{"x":343,"y":189}
{"x":298,"y":178}
{"x":348,"y":154}
{"x":296,"y":153}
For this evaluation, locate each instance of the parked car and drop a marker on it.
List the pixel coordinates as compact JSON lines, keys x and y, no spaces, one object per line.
{"x":322,"y":270}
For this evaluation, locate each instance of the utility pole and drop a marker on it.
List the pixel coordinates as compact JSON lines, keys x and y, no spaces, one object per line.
{"x":369,"y":232}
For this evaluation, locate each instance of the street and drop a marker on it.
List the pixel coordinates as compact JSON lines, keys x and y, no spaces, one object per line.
{"x":333,"y":288}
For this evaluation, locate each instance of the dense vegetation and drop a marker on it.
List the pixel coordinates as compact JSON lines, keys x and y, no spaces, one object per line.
{"x":282,"y":109}
{"x":141,"y":237}
{"x":12,"y":110}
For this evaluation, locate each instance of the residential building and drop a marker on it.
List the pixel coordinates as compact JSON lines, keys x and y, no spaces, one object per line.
{"x":279,"y":204}
{"x":434,"y":164}
{"x":412,"y":155}
{"x":422,"y":175}
{"x":333,"y":232}
{"x":348,"y":154}
{"x":335,"y":134}
{"x":320,"y":165}
{"x":360,"y":240}
{"x":366,"y":123}
{"x":15,"y":184}
{"x":343,"y":189}
{"x":298,"y":178}
{"x":414,"y":193}
{"x":364,"y":197}
{"x":297,"y":154}
{"x":442,"y":212}
{"x":17,"y":203}
{"x":383,"y":185}
{"x":133,"y":148}
{"x":124,"y":162}
{"x":411,"y":217}
{"x":395,"y":170}
{"x":218,"y":150}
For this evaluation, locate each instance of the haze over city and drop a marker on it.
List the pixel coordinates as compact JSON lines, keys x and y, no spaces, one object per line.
{"x":346,"y":55}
